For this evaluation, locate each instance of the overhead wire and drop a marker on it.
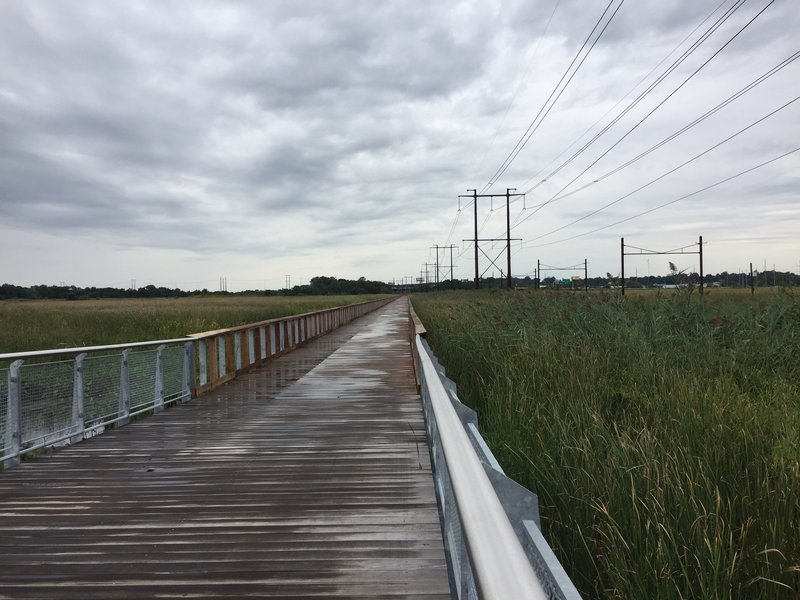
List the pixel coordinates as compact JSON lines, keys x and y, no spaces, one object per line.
{"x":673,"y":66}
{"x":670,"y":171}
{"x":665,"y":204}
{"x":642,"y":80}
{"x":519,"y":217}
{"x":750,"y":86}
{"x":545,"y":109}
{"x":515,"y":93}
{"x":653,"y":110}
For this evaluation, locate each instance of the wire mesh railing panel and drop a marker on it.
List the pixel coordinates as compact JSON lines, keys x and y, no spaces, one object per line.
{"x":45,"y":401}
{"x":142,"y":375}
{"x":173,"y":372}
{"x":3,"y":410}
{"x":101,"y":377}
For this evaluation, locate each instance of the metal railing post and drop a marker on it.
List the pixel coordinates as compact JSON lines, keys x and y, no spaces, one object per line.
{"x":124,"y":407}
{"x":237,"y":351}
{"x":202,"y":351}
{"x":188,"y":370}
{"x":77,"y":400}
{"x":263,"y":340}
{"x":158,"y":400}
{"x":13,"y":415}
{"x":251,"y":346}
{"x":221,"y":358}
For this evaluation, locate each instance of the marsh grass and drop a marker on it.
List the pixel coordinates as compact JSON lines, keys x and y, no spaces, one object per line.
{"x":47,"y":324}
{"x":662,"y":435}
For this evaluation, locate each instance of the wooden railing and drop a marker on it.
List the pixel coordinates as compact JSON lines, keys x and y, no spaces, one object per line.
{"x":224,"y":353}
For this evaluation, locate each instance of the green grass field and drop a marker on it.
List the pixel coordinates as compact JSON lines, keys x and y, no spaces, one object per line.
{"x":45,"y":324}
{"x":662,"y":435}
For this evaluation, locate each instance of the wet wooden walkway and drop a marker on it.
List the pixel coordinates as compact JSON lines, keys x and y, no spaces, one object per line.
{"x":307,"y":478}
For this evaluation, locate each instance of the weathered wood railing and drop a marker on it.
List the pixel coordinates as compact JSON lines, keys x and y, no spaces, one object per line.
{"x":225,"y":352}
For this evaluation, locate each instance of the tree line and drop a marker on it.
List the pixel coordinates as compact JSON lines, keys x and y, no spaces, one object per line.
{"x":318,"y":286}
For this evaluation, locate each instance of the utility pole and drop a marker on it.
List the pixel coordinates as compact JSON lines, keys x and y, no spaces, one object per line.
{"x":437,"y":247}
{"x":509,"y":283}
{"x":436,"y":273}
{"x":452,"y":274}
{"x":585,"y":275}
{"x":702,"y":282}
{"x":474,"y":197}
{"x":288,"y":281}
{"x":508,"y":195}
{"x":427,"y":275}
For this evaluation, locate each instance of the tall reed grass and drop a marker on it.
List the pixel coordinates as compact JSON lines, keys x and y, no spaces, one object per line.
{"x":662,"y":436}
{"x":46,"y":324}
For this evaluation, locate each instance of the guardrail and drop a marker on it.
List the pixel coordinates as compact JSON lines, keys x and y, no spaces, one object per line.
{"x":70,"y":394}
{"x":490,"y":523}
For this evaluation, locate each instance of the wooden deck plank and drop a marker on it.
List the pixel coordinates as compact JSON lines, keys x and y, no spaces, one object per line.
{"x":307,"y":478}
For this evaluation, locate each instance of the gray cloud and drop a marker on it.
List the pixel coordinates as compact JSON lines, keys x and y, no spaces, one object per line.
{"x":290,"y":134}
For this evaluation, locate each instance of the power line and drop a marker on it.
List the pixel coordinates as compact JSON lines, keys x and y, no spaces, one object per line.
{"x":529,"y":133}
{"x":669,"y":172}
{"x":660,"y":104}
{"x":675,"y":64}
{"x":706,"y":34}
{"x":642,"y":80}
{"x":687,"y":127}
{"x":665,"y":204}
{"x":519,"y":84}
{"x":545,"y":109}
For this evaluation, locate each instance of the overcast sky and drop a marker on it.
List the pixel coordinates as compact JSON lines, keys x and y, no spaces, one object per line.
{"x":177,"y":142}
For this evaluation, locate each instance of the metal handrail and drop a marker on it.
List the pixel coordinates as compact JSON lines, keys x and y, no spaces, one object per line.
{"x":82,"y":349}
{"x":499,"y":563}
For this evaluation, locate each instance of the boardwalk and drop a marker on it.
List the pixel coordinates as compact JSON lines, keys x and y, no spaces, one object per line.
{"x":308,"y":478}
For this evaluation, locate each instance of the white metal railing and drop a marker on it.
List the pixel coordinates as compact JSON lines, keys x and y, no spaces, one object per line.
{"x":490,"y":523}
{"x":61,"y":396}
{"x":81,"y":391}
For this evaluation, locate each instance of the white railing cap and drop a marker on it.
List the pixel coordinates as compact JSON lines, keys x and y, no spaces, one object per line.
{"x":501,"y":568}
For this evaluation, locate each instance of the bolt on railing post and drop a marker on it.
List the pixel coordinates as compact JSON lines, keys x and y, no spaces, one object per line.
{"x":124,"y":408}
{"x":13,"y":415}
{"x":188,"y":370}
{"x":158,"y":400}
{"x":78,"y":423}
